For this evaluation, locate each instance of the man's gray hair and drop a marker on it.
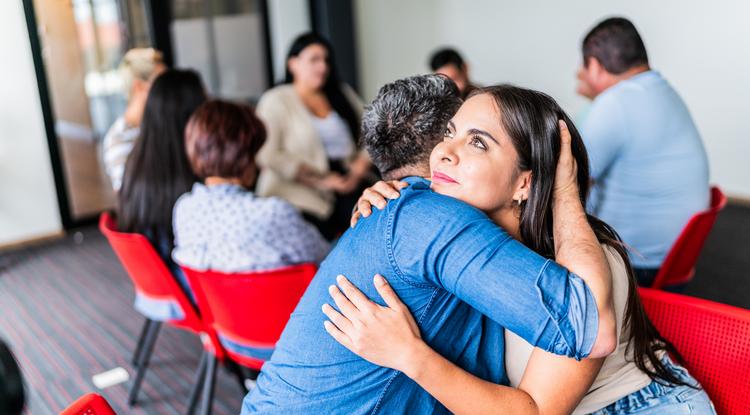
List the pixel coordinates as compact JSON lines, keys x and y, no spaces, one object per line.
{"x":407,"y":119}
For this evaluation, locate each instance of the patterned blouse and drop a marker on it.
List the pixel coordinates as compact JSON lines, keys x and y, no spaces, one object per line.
{"x":227,"y":228}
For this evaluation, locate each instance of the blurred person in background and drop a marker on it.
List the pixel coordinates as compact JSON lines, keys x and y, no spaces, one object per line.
{"x":158,"y":172}
{"x":221,"y":224}
{"x":137,"y":69}
{"x":648,"y":164}
{"x":449,"y":62}
{"x":311,"y":157}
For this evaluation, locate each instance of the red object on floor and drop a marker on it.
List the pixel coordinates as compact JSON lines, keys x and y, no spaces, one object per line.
{"x":90,"y":404}
{"x":679,"y":264}
{"x":248,"y":309}
{"x":714,"y":340}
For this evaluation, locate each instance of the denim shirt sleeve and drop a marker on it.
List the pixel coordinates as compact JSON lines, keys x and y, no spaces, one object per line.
{"x":445,"y":242}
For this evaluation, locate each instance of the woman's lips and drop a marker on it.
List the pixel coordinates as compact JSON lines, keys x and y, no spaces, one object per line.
{"x":443,"y":178}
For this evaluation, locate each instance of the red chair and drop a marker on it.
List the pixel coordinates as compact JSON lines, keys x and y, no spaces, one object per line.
{"x":679,"y":264}
{"x":90,"y":404}
{"x":248,"y":312}
{"x":152,"y":279}
{"x":713,"y":338}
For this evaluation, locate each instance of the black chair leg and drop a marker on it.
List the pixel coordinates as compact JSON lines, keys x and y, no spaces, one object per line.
{"x":195,"y":390}
{"x":208,"y":386}
{"x":139,"y":345}
{"x":148,"y":348}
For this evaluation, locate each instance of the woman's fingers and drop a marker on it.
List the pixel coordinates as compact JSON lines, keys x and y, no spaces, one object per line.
{"x":387,"y":189}
{"x":375,"y":197}
{"x":337,"y":334}
{"x":386,"y":291}
{"x":347,"y":308}
{"x":355,"y":218}
{"x":355,"y":295}
{"x":343,"y":323}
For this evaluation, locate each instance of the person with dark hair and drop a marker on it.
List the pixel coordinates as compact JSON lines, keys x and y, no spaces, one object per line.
{"x":310,"y":157}
{"x":12,"y":392}
{"x":158,"y":172}
{"x":448,"y":62}
{"x":508,"y":135}
{"x":639,"y":133}
{"x":220,"y":224}
{"x":451,"y":264}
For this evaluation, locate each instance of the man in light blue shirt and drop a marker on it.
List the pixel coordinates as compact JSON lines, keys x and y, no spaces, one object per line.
{"x":447,"y":261}
{"x":647,"y":159}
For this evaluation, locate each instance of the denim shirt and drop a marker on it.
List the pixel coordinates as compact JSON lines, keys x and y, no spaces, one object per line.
{"x":452,"y":266}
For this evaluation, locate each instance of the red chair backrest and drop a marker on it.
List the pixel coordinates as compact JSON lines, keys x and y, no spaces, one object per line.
{"x":147,"y":270}
{"x":90,"y":404}
{"x":713,"y":338}
{"x":250,"y":308}
{"x":679,"y":264}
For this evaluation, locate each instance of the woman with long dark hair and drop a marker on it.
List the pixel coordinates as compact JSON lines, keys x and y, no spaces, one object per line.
{"x":502,"y":150}
{"x":311,"y":157}
{"x":158,"y":171}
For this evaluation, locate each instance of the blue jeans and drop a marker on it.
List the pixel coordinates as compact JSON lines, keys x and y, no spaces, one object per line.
{"x":658,"y":399}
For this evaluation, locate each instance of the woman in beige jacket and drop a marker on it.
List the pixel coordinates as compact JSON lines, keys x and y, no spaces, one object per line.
{"x":311,"y":157}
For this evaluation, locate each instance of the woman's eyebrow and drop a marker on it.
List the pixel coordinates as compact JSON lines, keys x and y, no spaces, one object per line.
{"x":477,"y":131}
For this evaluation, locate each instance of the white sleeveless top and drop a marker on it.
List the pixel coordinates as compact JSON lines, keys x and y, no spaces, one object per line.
{"x":618,"y":377}
{"x":335,"y":135}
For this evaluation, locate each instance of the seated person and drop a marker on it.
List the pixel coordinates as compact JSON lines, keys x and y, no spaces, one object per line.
{"x":220,"y":224}
{"x":138,"y":68}
{"x":450,"y":264}
{"x":157,"y":173}
{"x":648,"y":163}
{"x":638,"y":375}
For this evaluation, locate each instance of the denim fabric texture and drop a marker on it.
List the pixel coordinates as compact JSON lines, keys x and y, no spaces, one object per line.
{"x":463,"y":278}
{"x":662,"y":399}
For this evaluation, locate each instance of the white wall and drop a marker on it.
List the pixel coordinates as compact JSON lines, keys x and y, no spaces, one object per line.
{"x":287,"y":20}
{"x":28,"y":203}
{"x":702,"y":48}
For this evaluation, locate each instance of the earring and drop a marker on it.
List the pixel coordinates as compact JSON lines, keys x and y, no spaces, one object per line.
{"x":520,"y":199}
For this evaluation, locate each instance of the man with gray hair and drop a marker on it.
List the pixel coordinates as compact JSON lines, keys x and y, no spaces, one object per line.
{"x":445,"y":260}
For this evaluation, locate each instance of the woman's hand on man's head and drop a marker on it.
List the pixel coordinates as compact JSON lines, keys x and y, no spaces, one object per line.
{"x":566,"y":175}
{"x":376,"y":195}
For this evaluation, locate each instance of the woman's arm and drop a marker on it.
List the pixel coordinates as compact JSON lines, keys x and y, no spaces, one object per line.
{"x":389,"y":336}
{"x":576,"y":245}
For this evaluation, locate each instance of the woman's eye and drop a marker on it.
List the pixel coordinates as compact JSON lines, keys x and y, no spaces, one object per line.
{"x":478,"y":143}
{"x":447,"y":133}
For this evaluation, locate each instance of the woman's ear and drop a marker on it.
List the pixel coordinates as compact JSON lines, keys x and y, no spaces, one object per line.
{"x":291,"y":63}
{"x":523,"y":186}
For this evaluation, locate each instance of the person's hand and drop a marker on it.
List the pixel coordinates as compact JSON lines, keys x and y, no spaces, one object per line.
{"x":566,"y":175}
{"x":348,"y":185}
{"x":331,"y":181}
{"x":385,"y":336}
{"x":376,"y":195}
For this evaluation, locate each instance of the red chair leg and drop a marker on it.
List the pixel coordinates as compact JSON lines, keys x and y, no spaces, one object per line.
{"x":139,"y":345}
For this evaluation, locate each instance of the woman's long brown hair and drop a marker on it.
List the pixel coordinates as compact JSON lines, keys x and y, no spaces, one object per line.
{"x":530,"y":119}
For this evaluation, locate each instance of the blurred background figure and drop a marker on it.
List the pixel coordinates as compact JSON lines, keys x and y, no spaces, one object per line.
{"x":158,"y":172}
{"x":449,"y":62}
{"x":221,"y":224}
{"x":648,"y":163}
{"x":311,"y":157}
{"x":138,"y":69}
{"x":12,"y":393}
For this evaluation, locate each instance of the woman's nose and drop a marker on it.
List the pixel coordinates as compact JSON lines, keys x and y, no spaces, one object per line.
{"x":448,"y":153}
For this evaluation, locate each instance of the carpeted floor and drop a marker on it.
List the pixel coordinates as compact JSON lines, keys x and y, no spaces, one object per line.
{"x":66,"y":310}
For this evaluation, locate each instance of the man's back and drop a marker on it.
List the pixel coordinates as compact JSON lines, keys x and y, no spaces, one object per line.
{"x":415,"y":239}
{"x":648,"y":162}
